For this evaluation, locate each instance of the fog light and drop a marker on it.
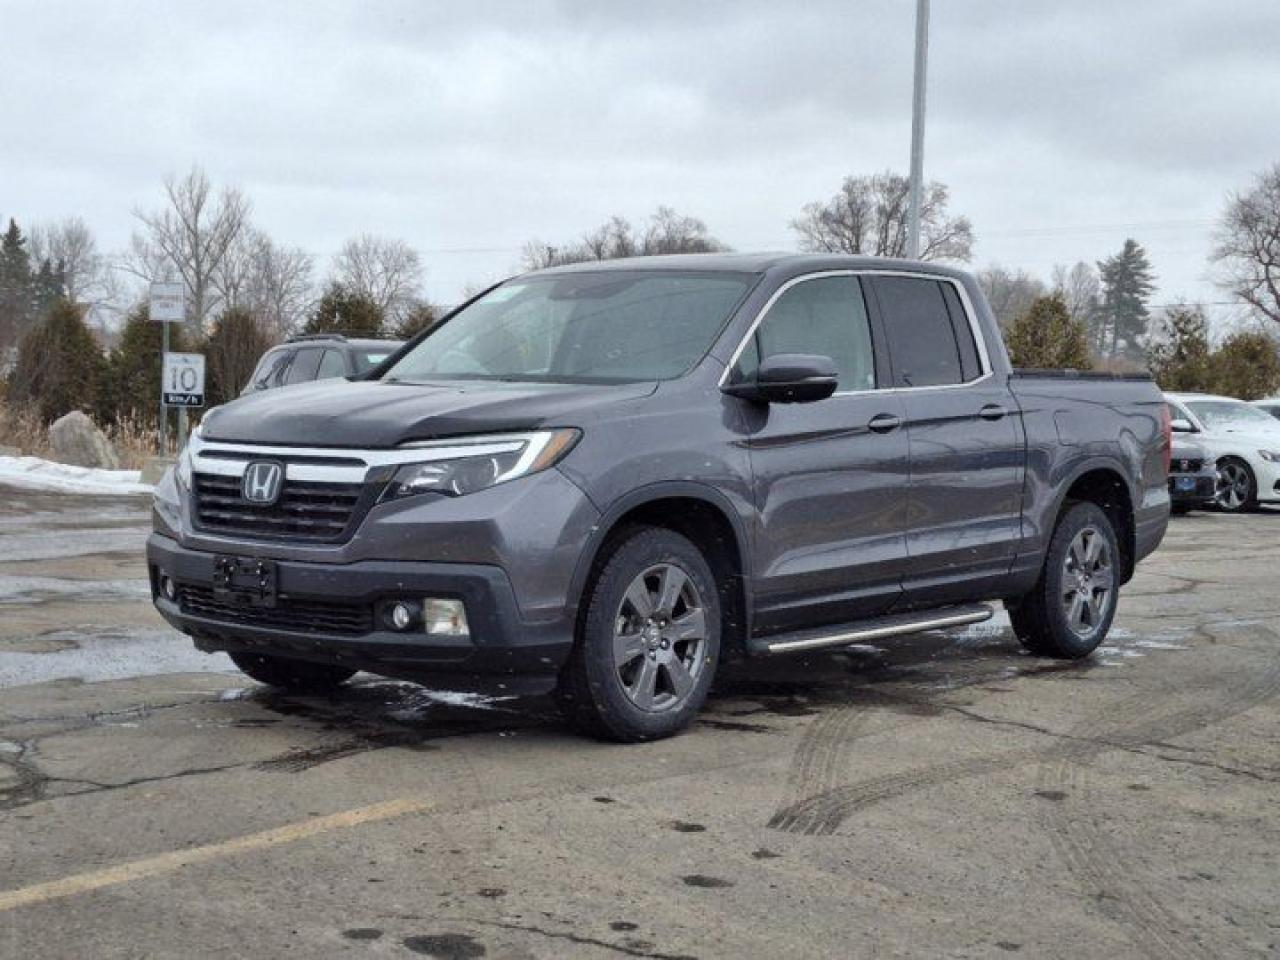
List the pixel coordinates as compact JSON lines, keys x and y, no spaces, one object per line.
{"x":402,"y":616}
{"x":445,"y":618}
{"x":168,"y":588}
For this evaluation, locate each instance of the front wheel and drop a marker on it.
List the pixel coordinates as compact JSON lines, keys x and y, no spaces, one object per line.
{"x":649,"y":643}
{"x":1070,"y":609}
{"x":1236,"y":491}
{"x":287,"y":674}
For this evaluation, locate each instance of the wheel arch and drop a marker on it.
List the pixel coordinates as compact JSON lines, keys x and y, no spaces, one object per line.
{"x":1105,"y":486}
{"x":703,"y":514}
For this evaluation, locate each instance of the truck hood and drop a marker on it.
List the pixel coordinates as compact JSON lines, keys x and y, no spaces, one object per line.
{"x":378,"y":414}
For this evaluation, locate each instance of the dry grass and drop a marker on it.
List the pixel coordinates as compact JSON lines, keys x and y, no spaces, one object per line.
{"x":134,"y":440}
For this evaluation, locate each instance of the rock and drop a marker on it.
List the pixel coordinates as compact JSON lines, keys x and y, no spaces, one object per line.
{"x":77,"y":441}
{"x":9,"y":451}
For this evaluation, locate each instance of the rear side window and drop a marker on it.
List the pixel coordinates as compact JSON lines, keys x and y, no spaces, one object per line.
{"x":306,"y":363}
{"x":825,"y":316}
{"x":970,"y":366}
{"x":927,"y":347}
{"x":332,"y":365}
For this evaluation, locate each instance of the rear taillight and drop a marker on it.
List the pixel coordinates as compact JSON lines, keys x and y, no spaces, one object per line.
{"x":1166,"y":428}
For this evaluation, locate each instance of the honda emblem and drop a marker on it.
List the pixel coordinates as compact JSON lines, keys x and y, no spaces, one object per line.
{"x":262,"y":482}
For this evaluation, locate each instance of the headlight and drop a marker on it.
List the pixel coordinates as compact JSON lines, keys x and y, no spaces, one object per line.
{"x":1269,"y":455}
{"x":458,"y":467}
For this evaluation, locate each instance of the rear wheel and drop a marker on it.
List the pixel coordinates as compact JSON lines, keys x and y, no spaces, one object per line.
{"x":1070,"y":610}
{"x":649,"y":643}
{"x":1237,"y":491}
{"x":288,"y":674}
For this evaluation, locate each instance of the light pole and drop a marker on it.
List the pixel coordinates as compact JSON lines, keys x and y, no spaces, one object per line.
{"x":917,"y":130}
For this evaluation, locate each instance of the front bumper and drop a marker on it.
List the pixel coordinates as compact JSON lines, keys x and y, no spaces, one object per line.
{"x":330,"y":613}
{"x":1192,"y":487}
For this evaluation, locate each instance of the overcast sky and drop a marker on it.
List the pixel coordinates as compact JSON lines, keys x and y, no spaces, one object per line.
{"x":469,"y":128}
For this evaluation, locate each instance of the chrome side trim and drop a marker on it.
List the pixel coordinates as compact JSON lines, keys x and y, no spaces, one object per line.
{"x":984,"y":357}
{"x":933,"y":622}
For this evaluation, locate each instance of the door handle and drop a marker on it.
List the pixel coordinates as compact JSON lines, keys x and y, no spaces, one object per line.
{"x":992,"y":411}
{"x":884,"y":423}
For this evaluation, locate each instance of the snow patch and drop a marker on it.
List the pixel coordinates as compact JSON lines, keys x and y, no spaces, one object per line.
{"x":33,"y":473}
{"x":140,"y":653}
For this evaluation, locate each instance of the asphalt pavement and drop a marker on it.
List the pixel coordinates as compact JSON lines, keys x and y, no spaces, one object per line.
{"x":945,"y":795}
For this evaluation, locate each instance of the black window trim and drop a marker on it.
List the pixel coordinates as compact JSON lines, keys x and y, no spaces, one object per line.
{"x":984,"y":358}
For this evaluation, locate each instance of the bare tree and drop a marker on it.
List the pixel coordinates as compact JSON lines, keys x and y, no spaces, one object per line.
{"x":271,"y":282}
{"x":1080,"y":289}
{"x":69,"y":246}
{"x":1010,"y":293}
{"x":1248,"y":248}
{"x":386,"y":271}
{"x":869,"y":216}
{"x":189,"y":238}
{"x":667,"y":232}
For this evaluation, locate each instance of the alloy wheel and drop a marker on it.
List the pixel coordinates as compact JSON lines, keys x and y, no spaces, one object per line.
{"x":1088,"y":581}
{"x":1232,"y":489}
{"x":660,"y":638}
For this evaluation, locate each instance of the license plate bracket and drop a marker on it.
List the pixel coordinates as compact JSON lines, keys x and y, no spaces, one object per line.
{"x":248,"y":581}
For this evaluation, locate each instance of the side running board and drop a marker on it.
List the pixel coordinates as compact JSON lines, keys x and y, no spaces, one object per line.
{"x":877,"y":629}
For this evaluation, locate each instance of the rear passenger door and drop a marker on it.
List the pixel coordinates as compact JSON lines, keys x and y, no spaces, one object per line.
{"x":965,"y":438}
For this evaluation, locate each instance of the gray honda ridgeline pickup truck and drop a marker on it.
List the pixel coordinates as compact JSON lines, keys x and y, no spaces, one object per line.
{"x":603,"y":479}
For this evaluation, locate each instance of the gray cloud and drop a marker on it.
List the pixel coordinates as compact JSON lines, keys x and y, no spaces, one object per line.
{"x":467,"y":129}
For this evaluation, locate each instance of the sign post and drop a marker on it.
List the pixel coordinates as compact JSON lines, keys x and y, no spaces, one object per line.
{"x":168,"y":304}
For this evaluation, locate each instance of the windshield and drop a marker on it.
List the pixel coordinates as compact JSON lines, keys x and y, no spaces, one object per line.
{"x":1223,"y":414}
{"x":611,"y":326}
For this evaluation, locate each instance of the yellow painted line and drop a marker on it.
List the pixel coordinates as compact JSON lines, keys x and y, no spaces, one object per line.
{"x":177,"y":859}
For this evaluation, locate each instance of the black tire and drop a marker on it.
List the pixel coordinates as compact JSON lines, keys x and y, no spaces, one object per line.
{"x":1237,"y":487}
{"x":1042,"y":619}
{"x":606,"y":697}
{"x":288,"y":674}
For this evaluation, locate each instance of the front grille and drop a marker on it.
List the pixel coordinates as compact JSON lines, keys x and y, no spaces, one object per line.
{"x":305,"y":510}
{"x":1188,"y":466}
{"x":298,"y":616}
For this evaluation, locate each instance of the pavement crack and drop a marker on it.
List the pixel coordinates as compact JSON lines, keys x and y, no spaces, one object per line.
{"x":634,"y":950}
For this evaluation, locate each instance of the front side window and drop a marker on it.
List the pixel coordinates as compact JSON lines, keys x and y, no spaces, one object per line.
{"x":927,"y":348}
{"x":607,"y":326}
{"x":332,"y":365}
{"x":304,"y":366}
{"x":826,"y":316}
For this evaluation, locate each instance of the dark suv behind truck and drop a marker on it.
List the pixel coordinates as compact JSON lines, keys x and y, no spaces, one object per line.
{"x":601,"y":480}
{"x":318,"y":356}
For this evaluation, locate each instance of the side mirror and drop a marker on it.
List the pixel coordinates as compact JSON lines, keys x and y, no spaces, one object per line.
{"x":1179,"y":425}
{"x":789,"y":378}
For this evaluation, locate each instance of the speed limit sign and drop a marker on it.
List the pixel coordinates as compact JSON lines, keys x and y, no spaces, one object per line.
{"x":183,"y":382}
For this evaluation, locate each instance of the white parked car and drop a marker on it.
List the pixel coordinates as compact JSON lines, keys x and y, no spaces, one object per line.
{"x":1242,"y":439}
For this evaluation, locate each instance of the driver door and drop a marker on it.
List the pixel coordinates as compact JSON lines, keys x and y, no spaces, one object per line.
{"x":829,"y":478}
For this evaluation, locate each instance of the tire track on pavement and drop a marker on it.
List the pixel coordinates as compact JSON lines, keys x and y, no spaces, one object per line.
{"x":1098,"y":860}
